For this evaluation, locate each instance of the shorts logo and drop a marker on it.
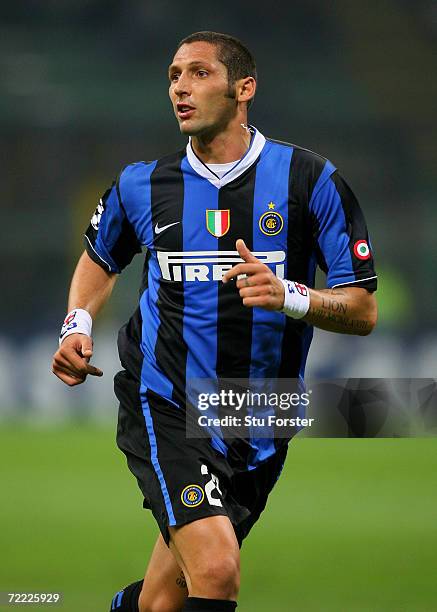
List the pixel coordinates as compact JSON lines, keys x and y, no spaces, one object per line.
{"x":218,"y":222}
{"x":361,"y":249}
{"x":271,"y":222}
{"x":192,"y":496}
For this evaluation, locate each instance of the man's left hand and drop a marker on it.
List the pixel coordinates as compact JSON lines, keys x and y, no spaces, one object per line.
{"x":260,"y":287}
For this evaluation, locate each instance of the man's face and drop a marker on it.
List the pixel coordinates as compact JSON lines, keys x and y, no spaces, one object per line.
{"x":199,"y":89}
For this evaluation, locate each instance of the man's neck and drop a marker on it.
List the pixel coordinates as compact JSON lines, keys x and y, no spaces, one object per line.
{"x":226,"y":146}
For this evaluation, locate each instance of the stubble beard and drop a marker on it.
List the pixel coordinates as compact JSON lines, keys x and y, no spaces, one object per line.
{"x":211,"y":130}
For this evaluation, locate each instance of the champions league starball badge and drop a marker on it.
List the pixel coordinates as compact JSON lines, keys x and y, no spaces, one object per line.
{"x":95,"y":219}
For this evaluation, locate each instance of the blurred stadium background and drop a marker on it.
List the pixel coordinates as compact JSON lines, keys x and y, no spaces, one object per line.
{"x":83,"y":92}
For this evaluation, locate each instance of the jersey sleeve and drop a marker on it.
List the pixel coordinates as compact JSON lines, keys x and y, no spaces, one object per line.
{"x":343,"y":249}
{"x":110,"y":239}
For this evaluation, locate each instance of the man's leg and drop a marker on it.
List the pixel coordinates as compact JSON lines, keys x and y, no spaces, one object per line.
{"x":164,"y":587}
{"x":208,"y":552}
{"x":162,"y":590}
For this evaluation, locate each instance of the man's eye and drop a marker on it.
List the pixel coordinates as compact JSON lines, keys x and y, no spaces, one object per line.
{"x":202,"y":73}
{"x":174,"y":77}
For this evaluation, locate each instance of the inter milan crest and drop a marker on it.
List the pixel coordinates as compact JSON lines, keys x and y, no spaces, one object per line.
{"x":271,"y":222}
{"x":218,"y":222}
{"x":192,"y":496}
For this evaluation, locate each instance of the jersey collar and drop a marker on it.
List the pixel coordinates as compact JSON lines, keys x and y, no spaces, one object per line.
{"x":256,"y":145}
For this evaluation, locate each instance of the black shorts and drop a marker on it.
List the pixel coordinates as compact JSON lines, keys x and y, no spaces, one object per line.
{"x":184,"y":479}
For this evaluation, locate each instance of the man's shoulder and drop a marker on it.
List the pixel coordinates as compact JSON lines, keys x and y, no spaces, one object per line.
{"x":302,"y":153}
{"x":133,"y":170}
{"x":307,"y":166}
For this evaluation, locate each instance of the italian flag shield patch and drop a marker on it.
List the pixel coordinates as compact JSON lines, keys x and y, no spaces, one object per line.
{"x":217,"y":222}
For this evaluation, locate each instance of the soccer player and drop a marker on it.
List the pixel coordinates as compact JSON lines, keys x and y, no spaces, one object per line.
{"x":234,"y":226}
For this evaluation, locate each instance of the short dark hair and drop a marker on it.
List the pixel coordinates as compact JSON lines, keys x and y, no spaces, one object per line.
{"x":231,"y":52}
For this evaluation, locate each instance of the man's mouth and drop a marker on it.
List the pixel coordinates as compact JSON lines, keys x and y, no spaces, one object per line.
{"x":185,"y":110}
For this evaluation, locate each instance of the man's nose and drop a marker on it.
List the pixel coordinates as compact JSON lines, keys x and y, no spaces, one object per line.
{"x":182,"y":86}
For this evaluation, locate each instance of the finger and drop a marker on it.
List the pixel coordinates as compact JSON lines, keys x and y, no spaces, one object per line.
{"x":71,"y":381}
{"x":244,"y":252}
{"x":90,"y":369}
{"x":66,"y":368}
{"x":94,"y":371}
{"x":254,"y":291}
{"x":262,"y":301}
{"x":67,"y":377}
{"x":81,"y":374}
{"x":86,"y":344}
{"x":262,"y":278}
{"x":63,"y":359}
{"x":243,"y":268}
{"x":69,"y":359}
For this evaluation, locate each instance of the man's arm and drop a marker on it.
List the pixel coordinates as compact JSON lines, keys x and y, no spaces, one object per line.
{"x":346,"y":310}
{"x":90,"y":288}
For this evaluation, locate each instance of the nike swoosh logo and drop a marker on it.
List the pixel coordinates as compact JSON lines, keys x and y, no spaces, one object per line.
{"x":158,"y":230}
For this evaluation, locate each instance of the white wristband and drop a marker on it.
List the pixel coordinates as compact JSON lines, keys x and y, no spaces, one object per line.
{"x":78,"y":321}
{"x":296,"y":299}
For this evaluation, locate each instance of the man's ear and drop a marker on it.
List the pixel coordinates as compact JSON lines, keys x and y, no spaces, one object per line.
{"x":246,"y":89}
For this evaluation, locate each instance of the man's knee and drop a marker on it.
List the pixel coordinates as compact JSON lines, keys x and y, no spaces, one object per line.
{"x":218,"y":576}
{"x":208,"y":552}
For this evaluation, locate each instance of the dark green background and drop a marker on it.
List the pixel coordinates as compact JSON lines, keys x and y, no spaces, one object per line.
{"x":350,"y":526}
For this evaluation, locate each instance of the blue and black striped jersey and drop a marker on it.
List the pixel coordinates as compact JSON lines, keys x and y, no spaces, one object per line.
{"x":294,"y":212}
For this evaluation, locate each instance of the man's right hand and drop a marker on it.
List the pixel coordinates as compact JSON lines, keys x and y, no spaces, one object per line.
{"x":71,"y":360}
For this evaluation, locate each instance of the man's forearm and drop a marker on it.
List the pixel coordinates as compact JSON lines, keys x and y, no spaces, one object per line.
{"x":349,"y":310}
{"x":90,"y":287}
